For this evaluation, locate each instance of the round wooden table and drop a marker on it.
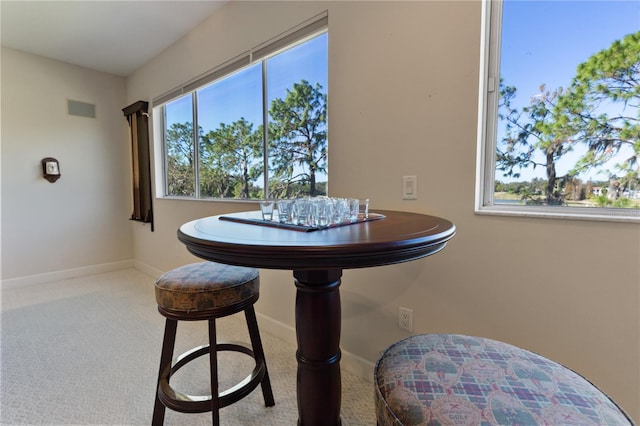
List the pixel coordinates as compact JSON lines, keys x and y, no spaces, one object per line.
{"x":317,"y":259}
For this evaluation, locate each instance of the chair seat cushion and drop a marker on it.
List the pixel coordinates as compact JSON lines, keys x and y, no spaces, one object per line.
{"x":446,"y":379}
{"x":205,"y":286}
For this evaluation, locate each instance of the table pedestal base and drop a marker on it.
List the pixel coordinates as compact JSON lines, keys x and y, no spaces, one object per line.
{"x":318,"y":334}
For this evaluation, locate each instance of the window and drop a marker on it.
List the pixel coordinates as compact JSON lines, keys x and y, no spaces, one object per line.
{"x":255,"y":127}
{"x":559,"y":113}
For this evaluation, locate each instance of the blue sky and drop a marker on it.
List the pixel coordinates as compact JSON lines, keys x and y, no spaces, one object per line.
{"x":239,"y":95}
{"x":544,"y":42}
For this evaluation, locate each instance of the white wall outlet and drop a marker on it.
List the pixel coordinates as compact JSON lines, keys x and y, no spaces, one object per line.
{"x":405,"y":318}
{"x":409,"y":187}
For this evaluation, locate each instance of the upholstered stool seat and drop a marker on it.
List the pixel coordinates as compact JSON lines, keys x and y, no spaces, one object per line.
{"x":206,"y":291}
{"x":444,"y":379}
{"x":206,"y":286}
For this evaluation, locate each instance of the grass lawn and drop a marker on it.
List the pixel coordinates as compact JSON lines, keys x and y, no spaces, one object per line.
{"x":634,"y":202}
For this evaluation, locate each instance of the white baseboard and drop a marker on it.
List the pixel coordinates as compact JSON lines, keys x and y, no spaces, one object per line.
{"x":354,"y":364}
{"x":65,"y":274}
{"x":147,"y":269}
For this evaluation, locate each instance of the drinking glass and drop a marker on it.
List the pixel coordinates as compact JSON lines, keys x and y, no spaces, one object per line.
{"x":341,"y":214}
{"x":284,"y":210}
{"x":302,"y":208}
{"x":323,"y":211}
{"x":363,"y":208}
{"x":266,"y":207}
{"x":354,"y":205}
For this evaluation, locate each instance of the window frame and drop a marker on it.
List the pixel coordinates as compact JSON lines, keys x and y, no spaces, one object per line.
{"x":260,"y":54}
{"x":488,"y":97}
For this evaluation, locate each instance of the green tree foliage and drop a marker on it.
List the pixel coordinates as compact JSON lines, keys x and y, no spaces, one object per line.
{"x":231,"y":160}
{"x":529,"y":131}
{"x":298,"y":137}
{"x":557,"y":121}
{"x":231,"y":157}
{"x":610,"y":79}
{"x":180,"y":159}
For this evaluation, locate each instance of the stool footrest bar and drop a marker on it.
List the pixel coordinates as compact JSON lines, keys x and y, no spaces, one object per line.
{"x":184,"y":403}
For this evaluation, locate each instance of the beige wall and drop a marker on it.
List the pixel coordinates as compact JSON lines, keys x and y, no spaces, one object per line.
{"x":403,"y":90}
{"x":402,"y":101}
{"x":81,"y":220}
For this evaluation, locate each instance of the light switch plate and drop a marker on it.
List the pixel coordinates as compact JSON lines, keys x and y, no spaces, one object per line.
{"x":409,"y":187}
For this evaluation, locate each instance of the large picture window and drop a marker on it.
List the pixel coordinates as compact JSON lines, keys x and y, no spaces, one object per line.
{"x":560,"y":109}
{"x":255,"y":128}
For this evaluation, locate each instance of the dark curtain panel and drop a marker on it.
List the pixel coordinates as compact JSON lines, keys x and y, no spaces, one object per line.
{"x":138,"y":119}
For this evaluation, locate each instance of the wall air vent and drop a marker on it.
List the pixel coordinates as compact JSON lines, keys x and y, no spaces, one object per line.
{"x":81,"y":109}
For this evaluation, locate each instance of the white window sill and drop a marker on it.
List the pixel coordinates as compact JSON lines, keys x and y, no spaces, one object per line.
{"x":575,"y":213}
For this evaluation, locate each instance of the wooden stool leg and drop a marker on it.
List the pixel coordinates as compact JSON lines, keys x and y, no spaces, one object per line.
{"x":258,"y":351}
{"x":168,"y":344}
{"x":213,"y":365}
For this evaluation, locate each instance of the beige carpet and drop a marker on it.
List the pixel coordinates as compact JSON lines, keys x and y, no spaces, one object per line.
{"x":86,"y":351}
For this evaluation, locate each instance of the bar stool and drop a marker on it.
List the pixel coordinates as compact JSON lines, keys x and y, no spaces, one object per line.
{"x":206,"y":291}
{"x":463,"y":380}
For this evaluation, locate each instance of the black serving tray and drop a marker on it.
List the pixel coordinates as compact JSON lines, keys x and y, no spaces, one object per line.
{"x":299,"y":228}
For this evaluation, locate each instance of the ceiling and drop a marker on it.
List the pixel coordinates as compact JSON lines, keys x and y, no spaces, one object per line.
{"x":116,"y":37}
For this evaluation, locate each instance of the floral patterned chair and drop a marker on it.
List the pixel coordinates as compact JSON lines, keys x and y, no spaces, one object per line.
{"x":448,"y":379}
